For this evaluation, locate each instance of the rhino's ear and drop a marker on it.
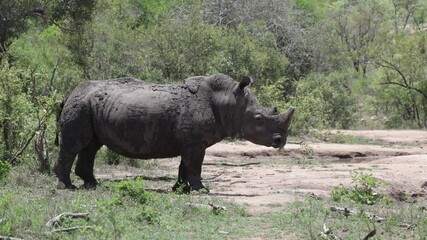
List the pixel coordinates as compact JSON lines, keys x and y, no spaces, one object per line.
{"x":246,"y":81}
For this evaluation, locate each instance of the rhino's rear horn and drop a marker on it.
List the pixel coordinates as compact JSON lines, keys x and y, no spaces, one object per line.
{"x":246,"y":81}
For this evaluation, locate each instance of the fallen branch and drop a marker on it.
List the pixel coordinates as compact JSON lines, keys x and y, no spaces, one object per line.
{"x":70,"y":229}
{"x":348,"y":212}
{"x":233,"y":164}
{"x":328,"y":234}
{"x":212,"y":178}
{"x":370,"y":234}
{"x":345,"y":211}
{"x":237,"y":182}
{"x":408,"y":226}
{"x":56,"y":221}
{"x":375,"y":217}
{"x":215,"y":208}
{"x":10,"y":238}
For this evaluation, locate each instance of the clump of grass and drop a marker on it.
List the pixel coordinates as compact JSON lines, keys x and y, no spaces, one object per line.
{"x":338,"y":137}
{"x":363,"y":191}
{"x":4,"y":169}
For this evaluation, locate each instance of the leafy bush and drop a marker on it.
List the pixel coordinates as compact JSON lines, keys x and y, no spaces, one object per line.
{"x":321,"y":100}
{"x":4,"y":169}
{"x":363,"y":192}
{"x":134,"y":190}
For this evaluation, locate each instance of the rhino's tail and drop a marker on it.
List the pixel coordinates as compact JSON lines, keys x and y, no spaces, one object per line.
{"x":58,"y":121}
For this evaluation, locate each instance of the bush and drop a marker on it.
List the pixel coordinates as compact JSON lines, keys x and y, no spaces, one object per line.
{"x":4,"y":169}
{"x":134,"y":190}
{"x":363,"y":192}
{"x":322,"y":100}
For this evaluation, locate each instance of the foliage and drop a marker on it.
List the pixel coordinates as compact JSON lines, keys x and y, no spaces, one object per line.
{"x":14,"y":16}
{"x":27,"y":202}
{"x":363,"y":192}
{"x":4,"y":169}
{"x":133,"y":189}
{"x":339,"y":62}
{"x":306,"y":219}
{"x":324,"y":101}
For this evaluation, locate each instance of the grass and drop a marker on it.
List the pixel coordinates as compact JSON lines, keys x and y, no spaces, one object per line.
{"x":338,"y":137}
{"x":116,"y":211}
{"x":305,"y":219}
{"x":126,"y":210}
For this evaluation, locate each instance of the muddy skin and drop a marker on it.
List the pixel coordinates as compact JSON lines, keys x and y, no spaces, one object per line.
{"x":143,"y":120}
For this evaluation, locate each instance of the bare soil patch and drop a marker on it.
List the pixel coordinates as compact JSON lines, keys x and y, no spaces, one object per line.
{"x":264,"y":178}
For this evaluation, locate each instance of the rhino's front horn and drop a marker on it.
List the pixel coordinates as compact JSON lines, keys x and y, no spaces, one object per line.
{"x":286,"y":117}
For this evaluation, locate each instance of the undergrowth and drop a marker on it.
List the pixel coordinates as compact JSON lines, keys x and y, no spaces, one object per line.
{"x":363,"y":191}
{"x":127,"y":210}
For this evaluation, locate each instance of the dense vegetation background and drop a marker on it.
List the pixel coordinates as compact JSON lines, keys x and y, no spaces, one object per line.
{"x":342,"y":63}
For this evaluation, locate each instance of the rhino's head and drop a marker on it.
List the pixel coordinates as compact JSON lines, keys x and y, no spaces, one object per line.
{"x":260,"y":125}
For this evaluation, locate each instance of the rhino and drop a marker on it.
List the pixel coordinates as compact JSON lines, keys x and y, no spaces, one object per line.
{"x":144,"y":120}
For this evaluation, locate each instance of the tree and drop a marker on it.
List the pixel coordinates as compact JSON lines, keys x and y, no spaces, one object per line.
{"x":13,"y":19}
{"x":358,"y":24}
{"x":404,"y":61}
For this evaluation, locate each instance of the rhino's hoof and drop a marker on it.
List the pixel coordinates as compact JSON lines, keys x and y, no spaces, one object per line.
{"x":62,"y":185}
{"x":90,"y":185}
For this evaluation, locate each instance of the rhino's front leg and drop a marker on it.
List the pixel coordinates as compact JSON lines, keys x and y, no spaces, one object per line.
{"x":182,"y":181}
{"x":190,"y":168}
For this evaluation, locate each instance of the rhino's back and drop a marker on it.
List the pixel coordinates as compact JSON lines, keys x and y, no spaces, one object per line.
{"x":138,"y":119}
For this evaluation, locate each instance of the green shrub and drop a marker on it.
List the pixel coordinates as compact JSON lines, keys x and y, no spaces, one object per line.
{"x":4,"y":169}
{"x":363,"y":192}
{"x":134,"y":190}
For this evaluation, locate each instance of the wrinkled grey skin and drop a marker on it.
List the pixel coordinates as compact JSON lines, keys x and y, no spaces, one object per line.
{"x":143,"y":120}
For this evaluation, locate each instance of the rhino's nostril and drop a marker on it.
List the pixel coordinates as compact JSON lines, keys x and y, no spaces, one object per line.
{"x":277,"y":139}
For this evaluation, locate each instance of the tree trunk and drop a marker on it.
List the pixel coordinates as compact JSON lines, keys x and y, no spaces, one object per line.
{"x":41,"y":148}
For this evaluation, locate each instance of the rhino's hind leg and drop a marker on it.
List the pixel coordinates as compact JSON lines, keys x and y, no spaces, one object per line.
{"x":62,"y":169}
{"x":85,"y":163}
{"x":190,"y":169}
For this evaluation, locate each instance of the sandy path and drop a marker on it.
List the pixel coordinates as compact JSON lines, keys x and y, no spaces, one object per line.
{"x":270,"y":178}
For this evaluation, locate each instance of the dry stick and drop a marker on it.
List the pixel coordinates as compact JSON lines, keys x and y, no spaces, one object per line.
{"x":237,"y":182}
{"x":327,"y":233}
{"x":70,"y":229}
{"x":10,"y":238}
{"x":370,"y":234}
{"x":212,"y":178}
{"x":56,"y":221}
{"x":25,"y":143}
{"x":407,"y":225}
{"x":232,"y":164}
{"x":345,"y":211}
{"x":348,"y":212}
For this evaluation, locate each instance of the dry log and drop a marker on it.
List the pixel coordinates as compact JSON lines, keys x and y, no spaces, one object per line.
{"x":70,"y":229}
{"x":10,"y":238}
{"x":56,"y":221}
{"x":348,"y":212}
{"x":370,"y":234}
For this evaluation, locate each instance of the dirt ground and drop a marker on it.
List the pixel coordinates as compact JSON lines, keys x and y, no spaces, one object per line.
{"x":264,"y":178}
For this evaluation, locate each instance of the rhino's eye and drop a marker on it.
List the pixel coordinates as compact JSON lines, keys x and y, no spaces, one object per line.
{"x":275,"y":110}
